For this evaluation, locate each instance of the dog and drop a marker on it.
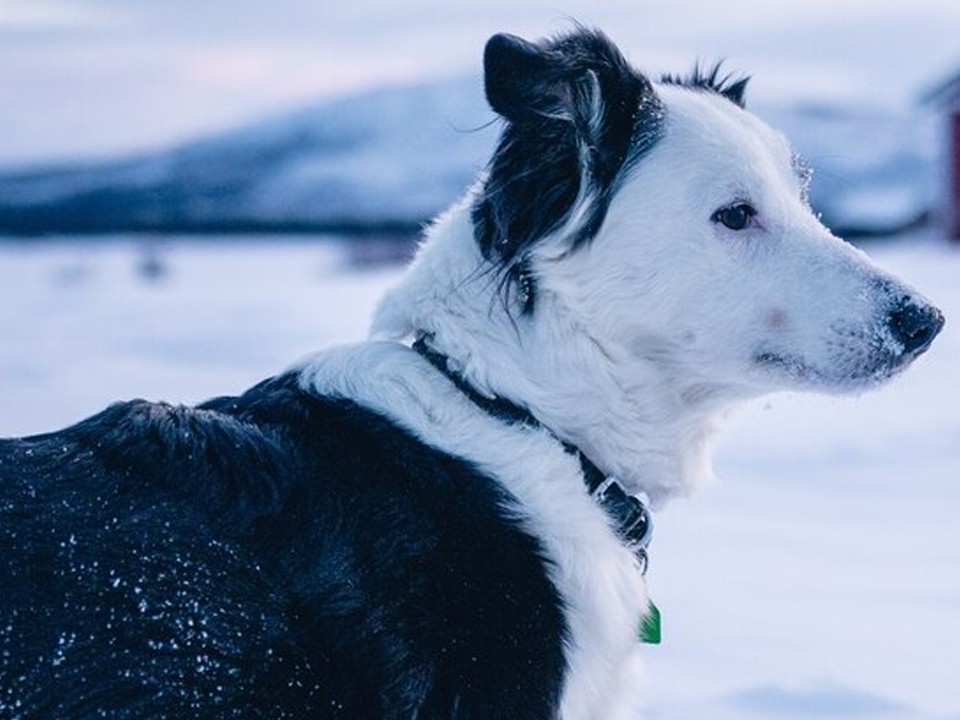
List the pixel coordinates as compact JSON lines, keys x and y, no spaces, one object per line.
{"x":450,"y":520}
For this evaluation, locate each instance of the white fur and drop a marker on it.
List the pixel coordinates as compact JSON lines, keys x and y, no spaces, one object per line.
{"x":638,"y":344}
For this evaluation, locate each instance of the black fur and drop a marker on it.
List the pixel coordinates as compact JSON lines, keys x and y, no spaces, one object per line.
{"x":551,"y":151}
{"x":273,"y":555}
{"x":732,"y":87}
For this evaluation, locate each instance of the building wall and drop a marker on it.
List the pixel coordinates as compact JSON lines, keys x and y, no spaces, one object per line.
{"x":953,"y":151}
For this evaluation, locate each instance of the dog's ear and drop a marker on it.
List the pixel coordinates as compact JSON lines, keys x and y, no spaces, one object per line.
{"x":519,"y":76}
{"x":576,"y":115}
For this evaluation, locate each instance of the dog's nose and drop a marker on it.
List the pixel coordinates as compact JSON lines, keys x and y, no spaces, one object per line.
{"x":915,"y":326}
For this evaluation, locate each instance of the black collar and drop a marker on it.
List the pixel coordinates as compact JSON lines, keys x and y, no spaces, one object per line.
{"x":633,"y":521}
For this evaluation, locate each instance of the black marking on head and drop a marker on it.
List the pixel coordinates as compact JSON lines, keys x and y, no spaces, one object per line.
{"x":577,"y":116}
{"x":730,"y":85}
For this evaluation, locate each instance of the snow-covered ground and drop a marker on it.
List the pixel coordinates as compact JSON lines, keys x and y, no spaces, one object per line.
{"x":819,"y":578}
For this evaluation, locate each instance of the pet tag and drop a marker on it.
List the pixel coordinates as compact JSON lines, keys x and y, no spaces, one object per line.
{"x":650,"y":626}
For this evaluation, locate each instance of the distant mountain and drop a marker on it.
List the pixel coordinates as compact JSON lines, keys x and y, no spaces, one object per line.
{"x":383,"y":160}
{"x":388,"y":160}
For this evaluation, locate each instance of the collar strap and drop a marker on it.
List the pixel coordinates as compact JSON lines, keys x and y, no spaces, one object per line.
{"x":632,"y":518}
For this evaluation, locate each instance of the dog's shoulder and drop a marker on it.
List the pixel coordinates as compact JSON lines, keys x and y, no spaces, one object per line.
{"x":155,"y":450}
{"x":232,"y":458}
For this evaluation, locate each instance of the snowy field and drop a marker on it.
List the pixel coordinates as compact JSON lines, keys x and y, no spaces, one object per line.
{"x":819,"y":578}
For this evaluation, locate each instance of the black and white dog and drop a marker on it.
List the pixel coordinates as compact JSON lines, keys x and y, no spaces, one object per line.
{"x":425,"y":525}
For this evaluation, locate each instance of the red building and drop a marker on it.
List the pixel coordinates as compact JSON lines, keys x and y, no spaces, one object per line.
{"x":947,"y":98}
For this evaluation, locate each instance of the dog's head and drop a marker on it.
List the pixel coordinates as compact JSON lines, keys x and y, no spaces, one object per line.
{"x":654,"y":261}
{"x":672,"y":227}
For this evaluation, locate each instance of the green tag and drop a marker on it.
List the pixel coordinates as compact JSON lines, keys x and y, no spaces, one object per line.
{"x":650,"y":626}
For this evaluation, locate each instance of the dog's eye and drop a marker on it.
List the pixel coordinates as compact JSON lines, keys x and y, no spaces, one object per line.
{"x":735,"y":217}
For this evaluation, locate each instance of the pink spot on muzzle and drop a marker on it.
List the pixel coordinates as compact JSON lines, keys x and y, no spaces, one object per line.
{"x":778,"y":320}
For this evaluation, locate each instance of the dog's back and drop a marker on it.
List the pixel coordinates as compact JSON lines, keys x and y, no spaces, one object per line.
{"x":272,"y":555}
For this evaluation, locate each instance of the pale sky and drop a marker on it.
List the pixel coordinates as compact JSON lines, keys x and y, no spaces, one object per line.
{"x":85,"y":78}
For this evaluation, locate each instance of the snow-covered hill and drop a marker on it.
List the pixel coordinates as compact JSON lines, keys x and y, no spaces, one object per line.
{"x":385,"y":159}
{"x":390,"y":159}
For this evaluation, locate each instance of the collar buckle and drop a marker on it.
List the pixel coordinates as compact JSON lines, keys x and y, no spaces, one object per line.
{"x":632,"y":518}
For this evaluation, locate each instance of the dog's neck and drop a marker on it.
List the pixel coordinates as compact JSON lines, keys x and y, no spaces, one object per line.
{"x":639,"y":428}
{"x":628,"y":513}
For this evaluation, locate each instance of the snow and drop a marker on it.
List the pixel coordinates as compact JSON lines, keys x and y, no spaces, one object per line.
{"x":82,"y":325}
{"x":820,"y":577}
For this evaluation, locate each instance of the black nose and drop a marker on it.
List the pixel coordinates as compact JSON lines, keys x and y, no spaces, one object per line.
{"x":915,"y":326}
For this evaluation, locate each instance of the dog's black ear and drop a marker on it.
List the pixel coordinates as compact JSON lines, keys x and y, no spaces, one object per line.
{"x":509,"y":64}
{"x":576,"y":115}
{"x":517,"y":75}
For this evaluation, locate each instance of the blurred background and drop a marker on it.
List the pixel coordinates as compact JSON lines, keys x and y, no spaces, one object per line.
{"x":319,"y":117}
{"x":194,"y":195}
